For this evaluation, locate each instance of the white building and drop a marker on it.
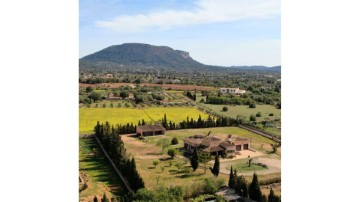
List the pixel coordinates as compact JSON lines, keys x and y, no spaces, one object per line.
{"x":234,"y":91}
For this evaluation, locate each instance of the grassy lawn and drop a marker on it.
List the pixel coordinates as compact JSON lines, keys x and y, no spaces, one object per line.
{"x":89,"y":116}
{"x":242,"y":165}
{"x":155,"y":176}
{"x":171,"y":175}
{"x":244,"y":110}
{"x":100,"y":176}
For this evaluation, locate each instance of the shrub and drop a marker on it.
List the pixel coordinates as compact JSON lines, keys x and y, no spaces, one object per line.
{"x":89,"y":89}
{"x":252,"y":118}
{"x":174,"y":141}
{"x":271,"y":114}
{"x":155,"y":163}
{"x":225,"y":108}
{"x":252,"y":105}
{"x":258,"y":114}
{"x":172,"y":152}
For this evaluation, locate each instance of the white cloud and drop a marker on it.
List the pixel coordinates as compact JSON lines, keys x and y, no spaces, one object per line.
{"x":206,"y":11}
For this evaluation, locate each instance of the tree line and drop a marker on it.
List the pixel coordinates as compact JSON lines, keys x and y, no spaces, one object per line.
{"x":252,"y":191}
{"x":115,"y":148}
{"x":210,"y":121}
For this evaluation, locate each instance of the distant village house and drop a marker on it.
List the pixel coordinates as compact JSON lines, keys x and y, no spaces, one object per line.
{"x":233,"y":91}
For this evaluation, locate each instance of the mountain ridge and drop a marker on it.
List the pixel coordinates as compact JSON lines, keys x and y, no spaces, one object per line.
{"x":139,"y":56}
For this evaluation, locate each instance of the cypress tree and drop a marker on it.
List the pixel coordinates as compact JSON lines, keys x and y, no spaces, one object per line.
{"x":194,"y":160}
{"x":241,"y":187}
{"x":231,"y":179}
{"x":254,"y":189}
{"x":271,"y":197}
{"x":95,"y":199}
{"x":215,"y":170}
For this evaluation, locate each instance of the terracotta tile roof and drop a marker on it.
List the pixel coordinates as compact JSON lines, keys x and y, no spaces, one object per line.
{"x":226,"y":145}
{"x":156,"y":127}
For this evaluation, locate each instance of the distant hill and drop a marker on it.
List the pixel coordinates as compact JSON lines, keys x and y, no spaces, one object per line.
{"x":139,"y":57}
{"x":259,"y":68}
{"x":132,"y":55}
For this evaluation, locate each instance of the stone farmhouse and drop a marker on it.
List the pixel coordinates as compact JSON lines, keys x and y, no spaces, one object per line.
{"x":234,"y":91}
{"x":216,"y":146}
{"x":150,"y":130}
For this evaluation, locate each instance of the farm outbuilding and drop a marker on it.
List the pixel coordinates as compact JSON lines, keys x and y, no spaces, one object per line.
{"x":148,"y":130}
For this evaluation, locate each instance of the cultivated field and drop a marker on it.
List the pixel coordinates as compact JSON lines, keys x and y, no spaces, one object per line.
{"x":89,"y":116}
{"x":245,"y":111}
{"x":96,"y":170}
{"x":145,"y":152}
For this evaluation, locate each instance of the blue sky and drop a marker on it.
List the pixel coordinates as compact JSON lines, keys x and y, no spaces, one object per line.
{"x":214,"y":32}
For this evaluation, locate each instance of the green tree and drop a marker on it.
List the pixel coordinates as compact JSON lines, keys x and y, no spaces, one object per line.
{"x":241,"y":187}
{"x":254,"y":189}
{"x":194,"y":160}
{"x":124,"y":94}
{"x":252,"y":105}
{"x":215,"y":170}
{"x":95,"y":199}
{"x":95,"y":96}
{"x":252,"y":118}
{"x":258,"y":114}
{"x":174,"y":141}
{"x":89,"y":89}
{"x":172,"y":152}
{"x":271,"y":197}
{"x":231,"y":183}
{"x":137,"y":81}
{"x":225,"y":108}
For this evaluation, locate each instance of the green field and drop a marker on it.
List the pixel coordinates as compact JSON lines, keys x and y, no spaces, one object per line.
{"x":89,"y":116}
{"x":244,"y":110}
{"x":99,"y":174}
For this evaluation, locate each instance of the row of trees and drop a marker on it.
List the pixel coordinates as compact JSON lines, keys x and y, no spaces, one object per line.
{"x":114,"y":146}
{"x":211,"y":121}
{"x":253,"y":191}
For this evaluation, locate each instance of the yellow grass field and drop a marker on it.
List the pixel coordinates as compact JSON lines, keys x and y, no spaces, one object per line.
{"x":89,"y":116}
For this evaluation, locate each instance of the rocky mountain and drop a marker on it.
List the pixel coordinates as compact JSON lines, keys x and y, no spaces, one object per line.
{"x":136,"y":55}
{"x":140,"y":57}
